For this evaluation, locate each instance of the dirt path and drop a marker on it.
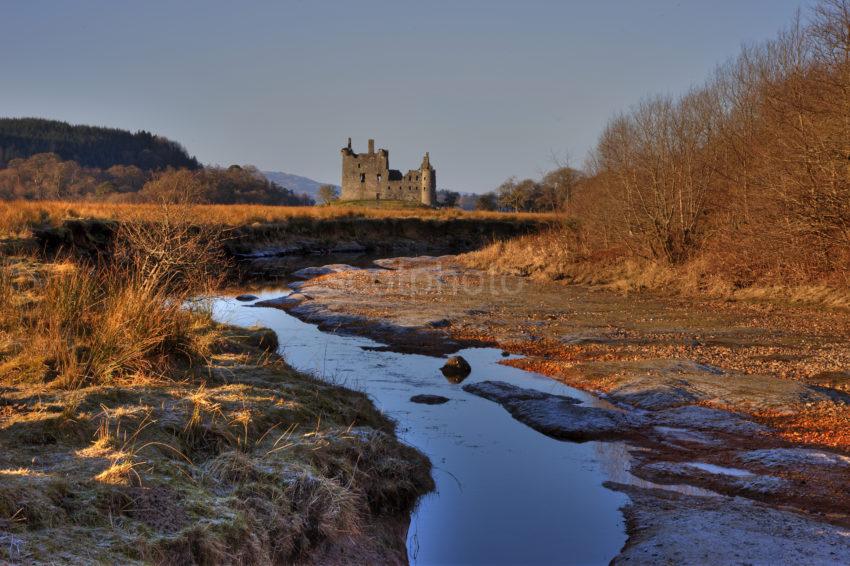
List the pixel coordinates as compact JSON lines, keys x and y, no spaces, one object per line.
{"x":746,"y":400}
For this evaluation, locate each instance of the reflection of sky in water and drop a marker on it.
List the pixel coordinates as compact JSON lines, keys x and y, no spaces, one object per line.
{"x":505,"y":493}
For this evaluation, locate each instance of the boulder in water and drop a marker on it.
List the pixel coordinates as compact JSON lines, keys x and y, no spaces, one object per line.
{"x":456,"y":369}
{"x":426,"y":399}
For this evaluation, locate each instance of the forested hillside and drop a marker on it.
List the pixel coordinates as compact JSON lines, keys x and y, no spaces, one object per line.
{"x":45,"y":176}
{"x":90,"y":146}
{"x":50,"y":160}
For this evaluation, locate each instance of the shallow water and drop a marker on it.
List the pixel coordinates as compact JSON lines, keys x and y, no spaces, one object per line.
{"x":505,"y":493}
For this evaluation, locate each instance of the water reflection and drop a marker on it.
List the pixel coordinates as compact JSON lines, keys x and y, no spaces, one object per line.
{"x":505,"y":493}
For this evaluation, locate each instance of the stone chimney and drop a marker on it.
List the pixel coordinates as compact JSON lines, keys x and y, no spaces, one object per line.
{"x":371,"y":146}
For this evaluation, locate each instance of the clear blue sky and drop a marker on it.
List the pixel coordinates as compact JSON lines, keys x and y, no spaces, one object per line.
{"x":491,"y":88}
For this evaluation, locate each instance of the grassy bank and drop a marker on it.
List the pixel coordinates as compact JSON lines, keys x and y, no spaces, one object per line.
{"x":90,"y":230}
{"x":17,"y":217}
{"x":557,"y":255}
{"x":134,"y":429}
{"x":380,"y":204}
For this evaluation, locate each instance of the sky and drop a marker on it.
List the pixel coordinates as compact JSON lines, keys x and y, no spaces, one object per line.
{"x":490,"y":88}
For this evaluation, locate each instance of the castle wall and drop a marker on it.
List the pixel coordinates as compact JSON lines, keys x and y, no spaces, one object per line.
{"x":364,"y":175}
{"x":367,"y":176}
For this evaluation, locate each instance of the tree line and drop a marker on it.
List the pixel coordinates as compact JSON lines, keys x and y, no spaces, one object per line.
{"x":90,"y":146}
{"x":550,"y":193}
{"x":750,"y":170}
{"x":46,"y":176}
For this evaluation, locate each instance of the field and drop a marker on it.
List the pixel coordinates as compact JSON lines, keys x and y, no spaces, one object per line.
{"x":16,"y":217}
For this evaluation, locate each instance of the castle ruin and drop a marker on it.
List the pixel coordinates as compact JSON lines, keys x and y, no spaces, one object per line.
{"x":367,"y":176}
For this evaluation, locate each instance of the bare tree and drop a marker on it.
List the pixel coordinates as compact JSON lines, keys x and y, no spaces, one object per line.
{"x":328,"y":194}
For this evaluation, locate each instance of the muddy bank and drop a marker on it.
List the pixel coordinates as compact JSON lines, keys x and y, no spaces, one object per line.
{"x":713,"y":394}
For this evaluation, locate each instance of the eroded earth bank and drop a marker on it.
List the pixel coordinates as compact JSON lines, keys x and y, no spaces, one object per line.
{"x":747,"y":401}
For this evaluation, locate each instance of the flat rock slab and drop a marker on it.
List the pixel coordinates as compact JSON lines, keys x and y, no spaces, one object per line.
{"x":671,"y":528}
{"x":717,"y":477}
{"x":311,"y":272}
{"x":403,"y":262}
{"x":675,"y":434}
{"x":793,"y":458}
{"x":246,"y":298}
{"x":663,"y":383}
{"x":429,"y":399}
{"x":705,"y":418}
{"x":285,"y":302}
{"x":503,"y":392}
{"x":556,"y":415}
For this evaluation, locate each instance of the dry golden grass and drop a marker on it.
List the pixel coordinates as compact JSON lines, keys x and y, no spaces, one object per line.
{"x":552,"y":255}
{"x":16,"y":217}
{"x":72,"y":325}
{"x":178,"y":440}
{"x":256,"y":463}
{"x":192,"y":440}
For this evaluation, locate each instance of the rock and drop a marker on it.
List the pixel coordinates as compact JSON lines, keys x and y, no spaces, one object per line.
{"x":429,"y":399}
{"x":456,"y":369}
{"x":403,"y":262}
{"x":442,"y":323}
{"x":245,"y":298}
{"x":761,"y":485}
{"x":311,"y":272}
{"x":719,"y":477}
{"x":672,"y":528}
{"x":285,"y":302}
{"x":793,"y":457}
{"x":704,"y":418}
{"x":503,"y":392}
{"x":657,"y":384}
{"x":673,"y":434}
{"x":555,"y":415}
{"x":505,"y":353}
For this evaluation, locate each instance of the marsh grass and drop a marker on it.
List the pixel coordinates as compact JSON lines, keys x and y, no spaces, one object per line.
{"x":78,"y":323}
{"x":19,"y":217}
{"x":94,"y":325}
{"x":558,"y":254}
{"x":136,"y":429}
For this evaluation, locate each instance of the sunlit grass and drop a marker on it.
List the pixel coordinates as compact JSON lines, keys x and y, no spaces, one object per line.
{"x":17,"y":217}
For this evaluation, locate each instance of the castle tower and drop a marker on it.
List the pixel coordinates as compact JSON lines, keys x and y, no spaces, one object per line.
{"x":428,"y":182}
{"x":350,"y":189}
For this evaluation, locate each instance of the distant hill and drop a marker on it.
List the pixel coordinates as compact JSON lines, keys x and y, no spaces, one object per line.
{"x":296,"y":183}
{"x":90,"y":146}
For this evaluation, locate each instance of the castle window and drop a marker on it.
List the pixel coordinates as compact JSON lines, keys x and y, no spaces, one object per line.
{"x":379,"y":177}
{"x":362,"y":177}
